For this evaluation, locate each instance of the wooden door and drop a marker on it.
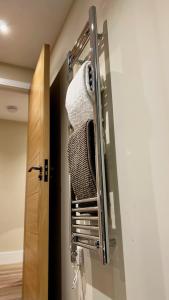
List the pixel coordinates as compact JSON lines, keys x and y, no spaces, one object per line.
{"x":35,"y":269}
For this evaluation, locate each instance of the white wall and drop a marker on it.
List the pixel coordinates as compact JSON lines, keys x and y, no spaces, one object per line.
{"x":12,"y":184}
{"x":139,"y":47}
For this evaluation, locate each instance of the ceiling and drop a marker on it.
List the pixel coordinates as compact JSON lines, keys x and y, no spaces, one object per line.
{"x":9,"y":97}
{"x":32,"y":23}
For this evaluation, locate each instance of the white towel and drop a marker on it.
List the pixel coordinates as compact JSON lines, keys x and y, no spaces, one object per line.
{"x":79,"y":98}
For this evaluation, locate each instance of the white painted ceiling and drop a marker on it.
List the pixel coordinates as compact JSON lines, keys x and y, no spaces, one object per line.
{"x":10,"y":97}
{"x":32,"y":23}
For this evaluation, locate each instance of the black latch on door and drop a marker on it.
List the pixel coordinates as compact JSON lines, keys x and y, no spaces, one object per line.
{"x":40,"y":169}
{"x":36,"y":169}
{"x":46,"y":170}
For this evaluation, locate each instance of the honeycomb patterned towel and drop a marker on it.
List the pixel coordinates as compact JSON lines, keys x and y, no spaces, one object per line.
{"x":81,"y":157}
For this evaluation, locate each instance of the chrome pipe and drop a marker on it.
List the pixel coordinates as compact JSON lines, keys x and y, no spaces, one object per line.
{"x":87,"y":209}
{"x":85,"y":218}
{"x":87,"y":227}
{"x":87,"y":246}
{"x":84,"y":200}
{"x":100,"y":163}
{"x":86,"y":236}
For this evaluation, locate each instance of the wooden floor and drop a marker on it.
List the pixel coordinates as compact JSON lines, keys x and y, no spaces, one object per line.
{"x":10,"y":282}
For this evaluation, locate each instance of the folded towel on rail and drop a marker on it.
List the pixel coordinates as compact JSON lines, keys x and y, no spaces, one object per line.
{"x":79,"y":98}
{"x":81,"y":157}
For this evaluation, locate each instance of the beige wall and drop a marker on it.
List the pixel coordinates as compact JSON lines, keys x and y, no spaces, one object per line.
{"x":15,"y":73}
{"x":139,"y":47}
{"x":12,"y":184}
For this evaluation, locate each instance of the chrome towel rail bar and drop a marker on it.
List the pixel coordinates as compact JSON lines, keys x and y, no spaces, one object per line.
{"x":88,"y":215}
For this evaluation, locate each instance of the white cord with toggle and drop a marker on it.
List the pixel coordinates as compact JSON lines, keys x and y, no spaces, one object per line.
{"x":77,"y":265}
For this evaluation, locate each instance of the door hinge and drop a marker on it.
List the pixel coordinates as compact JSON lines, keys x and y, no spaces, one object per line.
{"x":46,"y":167}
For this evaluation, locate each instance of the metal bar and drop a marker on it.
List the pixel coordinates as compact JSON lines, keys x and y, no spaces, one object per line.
{"x":100,"y":165}
{"x":84,"y":200}
{"x":80,"y":44}
{"x":87,"y":246}
{"x":87,"y":227}
{"x":87,"y":209}
{"x":85,"y":218}
{"x":86,"y":236}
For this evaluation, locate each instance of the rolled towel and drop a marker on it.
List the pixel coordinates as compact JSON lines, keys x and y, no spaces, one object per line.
{"x":81,"y":157}
{"x":79,"y":98}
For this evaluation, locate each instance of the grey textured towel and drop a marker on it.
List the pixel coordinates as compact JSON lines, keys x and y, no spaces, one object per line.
{"x":81,"y":157}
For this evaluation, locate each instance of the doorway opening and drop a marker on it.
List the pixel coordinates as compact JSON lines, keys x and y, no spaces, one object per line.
{"x":13,"y":148}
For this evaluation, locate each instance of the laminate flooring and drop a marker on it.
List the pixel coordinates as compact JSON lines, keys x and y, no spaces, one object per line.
{"x":11,"y":282}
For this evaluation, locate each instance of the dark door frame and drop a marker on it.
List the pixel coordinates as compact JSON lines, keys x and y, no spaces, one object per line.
{"x":55,"y":289}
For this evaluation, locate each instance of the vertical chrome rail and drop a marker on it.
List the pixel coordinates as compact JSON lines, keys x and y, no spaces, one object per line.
{"x":100,"y":162}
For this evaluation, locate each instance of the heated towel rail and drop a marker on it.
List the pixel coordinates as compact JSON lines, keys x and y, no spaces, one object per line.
{"x":89,"y":217}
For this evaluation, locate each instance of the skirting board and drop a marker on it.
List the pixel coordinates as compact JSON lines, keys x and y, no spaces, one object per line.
{"x":11,"y":257}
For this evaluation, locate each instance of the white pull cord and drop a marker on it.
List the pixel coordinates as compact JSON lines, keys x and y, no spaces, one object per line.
{"x":77,"y":265}
{"x":76,"y":272}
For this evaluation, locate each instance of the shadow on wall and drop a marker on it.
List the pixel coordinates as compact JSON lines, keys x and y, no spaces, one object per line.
{"x":107,"y":281}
